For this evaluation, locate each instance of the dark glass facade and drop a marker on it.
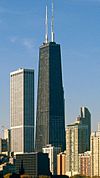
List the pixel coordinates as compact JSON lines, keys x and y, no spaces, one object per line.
{"x":34,"y":164}
{"x":50,"y":119}
{"x":86,"y":120}
{"x":28,"y":110}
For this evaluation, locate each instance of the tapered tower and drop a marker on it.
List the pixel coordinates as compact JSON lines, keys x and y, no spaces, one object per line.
{"x":50,"y":118}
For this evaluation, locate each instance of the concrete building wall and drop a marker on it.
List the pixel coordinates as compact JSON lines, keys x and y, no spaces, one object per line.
{"x":95,"y":153}
{"x":52,"y":154}
{"x":22,"y":110}
{"x":61,"y":163}
{"x":76,"y":142}
{"x":85,"y":163}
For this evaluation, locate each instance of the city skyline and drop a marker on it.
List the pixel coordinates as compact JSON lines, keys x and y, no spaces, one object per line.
{"x":80,"y":57}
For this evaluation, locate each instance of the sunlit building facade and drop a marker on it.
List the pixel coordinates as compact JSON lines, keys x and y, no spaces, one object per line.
{"x":22,"y":110}
{"x":85,"y":163}
{"x":52,"y":154}
{"x":61,"y":163}
{"x":95,"y":153}
{"x":76,"y":139}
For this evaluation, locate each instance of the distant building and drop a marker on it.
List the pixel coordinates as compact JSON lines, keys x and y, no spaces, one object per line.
{"x":85,"y":163}
{"x":5,"y":143}
{"x":76,"y":142}
{"x":98,"y":126}
{"x":33,"y":164}
{"x":86,"y":120}
{"x":7,"y":137}
{"x":6,"y":133}
{"x":52,"y":154}
{"x":95,"y":153}
{"x":0,"y":145}
{"x":22,"y":110}
{"x":3,"y":146}
{"x":61,"y":163}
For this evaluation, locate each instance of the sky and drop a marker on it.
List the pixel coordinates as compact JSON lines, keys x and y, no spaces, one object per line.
{"x":77,"y":29}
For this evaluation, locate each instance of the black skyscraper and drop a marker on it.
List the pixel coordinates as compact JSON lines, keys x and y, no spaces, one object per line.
{"x":50,"y":119}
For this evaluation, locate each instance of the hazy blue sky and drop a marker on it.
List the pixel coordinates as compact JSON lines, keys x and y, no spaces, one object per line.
{"x":77,"y":29}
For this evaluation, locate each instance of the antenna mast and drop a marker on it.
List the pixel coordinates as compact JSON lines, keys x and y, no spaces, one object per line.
{"x":46,"y":25}
{"x":52,"y":23}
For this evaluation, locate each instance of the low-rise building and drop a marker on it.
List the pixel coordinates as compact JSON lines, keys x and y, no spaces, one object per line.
{"x":85,"y":163}
{"x":52,"y":152}
{"x":32,"y":164}
{"x":61,"y":163}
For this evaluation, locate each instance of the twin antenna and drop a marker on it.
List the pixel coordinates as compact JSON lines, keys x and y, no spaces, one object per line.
{"x":52,"y":25}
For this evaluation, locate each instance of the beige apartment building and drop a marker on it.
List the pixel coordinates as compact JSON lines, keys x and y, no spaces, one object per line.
{"x":76,"y":142}
{"x":95,"y":153}
{"x":85,"y":163}
{"x":61,"y":163}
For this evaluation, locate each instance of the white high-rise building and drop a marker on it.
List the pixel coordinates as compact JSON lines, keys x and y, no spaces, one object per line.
{"x":95,"y":153}
{"x":52,"y":154}
{"x":22,"y":110}
{"x":76,"y":142}
{"x":99,"y":126}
